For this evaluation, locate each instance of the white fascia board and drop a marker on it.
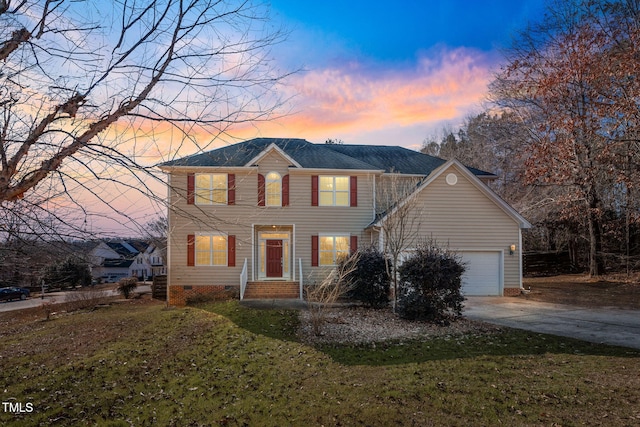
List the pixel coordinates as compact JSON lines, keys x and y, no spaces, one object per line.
{"x":323,"y":171}
{"x":267,"y":150}
{"x":404,"y":175}
{"x":204,"y":169}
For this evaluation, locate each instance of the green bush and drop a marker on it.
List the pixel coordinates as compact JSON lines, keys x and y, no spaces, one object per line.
{"x":369,"y":282}
{"x":430,"y":285}
{"x":127,"y":285}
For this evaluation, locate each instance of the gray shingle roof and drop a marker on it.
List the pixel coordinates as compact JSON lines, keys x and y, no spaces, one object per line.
{"x":321,"y":156}
{"x":396,"y":159}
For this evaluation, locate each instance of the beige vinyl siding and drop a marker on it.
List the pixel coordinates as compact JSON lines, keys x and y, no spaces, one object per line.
{"x":391,"y":187}
{"x":239,"y":220}
{"x":463,"y":218}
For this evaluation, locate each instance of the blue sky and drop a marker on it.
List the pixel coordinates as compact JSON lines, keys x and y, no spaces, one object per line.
{"x":399,"y":32}
{"x":383,"y":73}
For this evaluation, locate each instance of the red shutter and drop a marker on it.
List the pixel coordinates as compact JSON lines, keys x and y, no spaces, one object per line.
{"x":285,"y":190}
{"x":191,"y":188}
{"x":191,"y":250}
{"x":353,"y":245}
{"x":261,"y":189}
{"x":231,"y":189}
{"x":315,"y":253}
{"x":231,"y":250}
{"x":354,"y":191}
{"x":314,"y":190}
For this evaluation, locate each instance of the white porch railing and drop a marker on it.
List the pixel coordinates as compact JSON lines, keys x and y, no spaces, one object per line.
{"x":243,"y":279}
{"x":300,"y":278}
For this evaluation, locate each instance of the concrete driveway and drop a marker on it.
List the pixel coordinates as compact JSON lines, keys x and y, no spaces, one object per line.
{"x":599,"y":325}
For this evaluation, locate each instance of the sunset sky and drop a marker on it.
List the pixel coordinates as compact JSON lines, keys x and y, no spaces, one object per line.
{"x":371,"y":73}
{"x":377,"y":73}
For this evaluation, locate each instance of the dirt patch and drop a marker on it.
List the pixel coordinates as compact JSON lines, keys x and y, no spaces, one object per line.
{"x":619,"y":291}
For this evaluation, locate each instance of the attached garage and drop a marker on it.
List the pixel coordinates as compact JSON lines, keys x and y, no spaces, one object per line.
{"x":483,"y":275}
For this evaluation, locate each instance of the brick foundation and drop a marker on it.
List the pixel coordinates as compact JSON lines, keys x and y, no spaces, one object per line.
{"x":179,"y":295}
{"x":512,"y":292}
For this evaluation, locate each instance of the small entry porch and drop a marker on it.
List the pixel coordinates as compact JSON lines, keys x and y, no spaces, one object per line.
{"x":272,"y":290}
{"x":273,"y":272}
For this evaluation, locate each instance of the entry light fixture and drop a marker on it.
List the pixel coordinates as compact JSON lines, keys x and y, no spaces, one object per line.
{"x":512,"y":249}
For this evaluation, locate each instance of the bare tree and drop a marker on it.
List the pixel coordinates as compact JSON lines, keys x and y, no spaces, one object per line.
{"x":572,"y":79}
{"x":334,"y":286}
{"x":490,"y":142}
{"x":90,"y":90}
{"x":399,"y":220}
{"x":157,"y":232}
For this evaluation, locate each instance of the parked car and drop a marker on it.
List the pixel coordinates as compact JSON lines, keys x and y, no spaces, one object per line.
{"x":13,"y":293}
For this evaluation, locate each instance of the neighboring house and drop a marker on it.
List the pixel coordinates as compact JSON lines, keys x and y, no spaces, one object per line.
{"x":277,"y":212}
{"x":112,"y":260}
{"x":156,"y":260}
{"x":148,"y":263}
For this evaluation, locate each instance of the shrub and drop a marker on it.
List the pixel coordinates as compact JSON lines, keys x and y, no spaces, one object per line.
{"x":430,"y":285}
{"x":127,"y":285}
{"x":82,"y":299}
{"x":369,"y":282}
{"x":335,"y":285}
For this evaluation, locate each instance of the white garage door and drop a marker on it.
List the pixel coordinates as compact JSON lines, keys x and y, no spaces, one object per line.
{"x":483,"y":273}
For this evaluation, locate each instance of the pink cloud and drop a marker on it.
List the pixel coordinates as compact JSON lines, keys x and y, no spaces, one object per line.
{"x":362,"y":104}
{"x":352,"y":100}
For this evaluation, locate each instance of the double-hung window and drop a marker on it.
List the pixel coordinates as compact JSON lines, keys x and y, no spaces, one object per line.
{"x":211,"y":249}
{"x":211,"y":189}
{"x":334,"y":190}
{"x":333,"y":249}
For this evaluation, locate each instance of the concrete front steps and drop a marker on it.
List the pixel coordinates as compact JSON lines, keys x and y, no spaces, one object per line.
{"x":272,"y":290}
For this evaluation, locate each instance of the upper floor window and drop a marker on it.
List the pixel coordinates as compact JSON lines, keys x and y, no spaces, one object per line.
{"x":273,"y":182}
{"x":334,"y":190}
{"x":211,"y":189}
{"x":273,"y":189}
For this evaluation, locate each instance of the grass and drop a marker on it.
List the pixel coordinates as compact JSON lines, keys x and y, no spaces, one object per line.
{"x":223,"y":364}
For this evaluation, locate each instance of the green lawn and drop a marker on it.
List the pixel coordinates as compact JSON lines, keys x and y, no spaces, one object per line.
{"x":222,"y":364}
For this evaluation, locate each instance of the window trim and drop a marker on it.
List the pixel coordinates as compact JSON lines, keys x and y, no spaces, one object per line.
{"x":211,"y":251}
{"x":267,"y":191}
{"x":333,"y":251}
{"x":209,"y":201}
{"x":334,"y":191}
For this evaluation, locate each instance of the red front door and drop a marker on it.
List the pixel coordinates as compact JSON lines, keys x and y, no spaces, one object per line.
{"x":274,"y":258}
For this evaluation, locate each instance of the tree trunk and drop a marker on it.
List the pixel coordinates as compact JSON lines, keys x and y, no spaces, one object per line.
{"x":596,"y":267}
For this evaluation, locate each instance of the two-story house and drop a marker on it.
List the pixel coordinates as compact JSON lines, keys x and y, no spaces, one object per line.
{"x":149,"y":262}
{"x":276,"y":214}
{"x":110,"y":260}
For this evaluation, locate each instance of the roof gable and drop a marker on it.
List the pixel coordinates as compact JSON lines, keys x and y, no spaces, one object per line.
{"x":473,"y":179}
{"x":271,"y":148}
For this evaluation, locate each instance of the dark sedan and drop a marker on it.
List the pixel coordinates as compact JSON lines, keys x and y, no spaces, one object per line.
{"x":10,"y":294}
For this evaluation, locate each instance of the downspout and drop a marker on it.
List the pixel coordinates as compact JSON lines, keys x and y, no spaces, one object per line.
{"x":373,"y":218}
{"x":520,"y":256}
